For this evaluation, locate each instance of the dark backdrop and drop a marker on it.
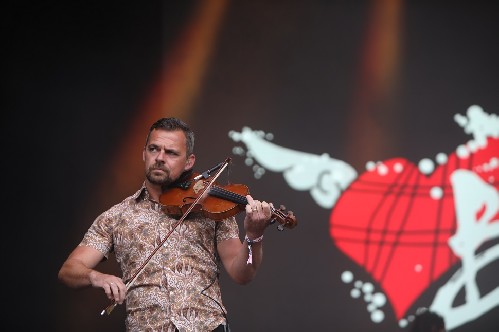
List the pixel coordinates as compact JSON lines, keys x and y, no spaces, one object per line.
{"x":76,"y":74}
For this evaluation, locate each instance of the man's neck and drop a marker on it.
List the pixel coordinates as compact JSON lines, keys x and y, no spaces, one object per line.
{"x":154,"y":191}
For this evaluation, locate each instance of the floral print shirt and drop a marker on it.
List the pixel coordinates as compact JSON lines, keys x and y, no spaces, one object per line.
{"x":179,"y":287}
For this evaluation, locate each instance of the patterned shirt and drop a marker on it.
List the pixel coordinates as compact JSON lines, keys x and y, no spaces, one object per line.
{"x":179,"y":287}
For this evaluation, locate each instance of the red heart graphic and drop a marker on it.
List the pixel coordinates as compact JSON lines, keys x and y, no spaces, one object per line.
{"x":395,"y":222}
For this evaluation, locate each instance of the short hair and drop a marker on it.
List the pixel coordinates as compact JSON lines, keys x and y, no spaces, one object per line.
{"x":427,"y":321}
{"x":172,"y":124}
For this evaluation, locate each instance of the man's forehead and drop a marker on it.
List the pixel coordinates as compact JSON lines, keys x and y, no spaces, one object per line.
{"x":163,"y":137}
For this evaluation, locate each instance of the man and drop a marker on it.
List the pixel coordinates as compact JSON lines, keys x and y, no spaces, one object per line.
{"x":178,"y":289}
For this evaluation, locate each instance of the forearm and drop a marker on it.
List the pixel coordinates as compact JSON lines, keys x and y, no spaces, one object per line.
{"x":248,"y":261}
{"x":242,"y":260}
{"x":75,"y":274}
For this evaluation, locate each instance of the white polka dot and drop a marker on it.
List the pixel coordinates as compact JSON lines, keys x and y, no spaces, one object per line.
{"x":462,"y":152}
{"x":367,"y":287}
{"x":377,"y":316}
{"x":370,"y":166}
{"x":436,"y":193}
{"x":398,"y":167}
{"x":382,"y":169}
{"x":355,"y":293}
{"x":441,"y":158}
{"x":426,"y":166}
{"x":347,"y":277}
{"x":379,"y":299}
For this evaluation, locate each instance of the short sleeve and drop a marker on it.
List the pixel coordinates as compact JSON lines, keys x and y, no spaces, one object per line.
{"x":100,"y":234}
{"x":227,"y":229}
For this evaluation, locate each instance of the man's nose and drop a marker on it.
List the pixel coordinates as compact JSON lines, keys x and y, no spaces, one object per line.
{"x":161,"y":155}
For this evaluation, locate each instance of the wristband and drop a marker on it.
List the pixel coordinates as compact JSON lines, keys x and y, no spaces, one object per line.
{"x":250,"y":243}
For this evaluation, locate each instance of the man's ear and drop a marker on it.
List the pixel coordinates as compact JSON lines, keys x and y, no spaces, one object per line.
{"x":190,"y":162}
{"x":144,"y":155}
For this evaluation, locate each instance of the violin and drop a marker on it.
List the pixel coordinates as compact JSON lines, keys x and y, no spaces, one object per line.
{"x":219,"y":203}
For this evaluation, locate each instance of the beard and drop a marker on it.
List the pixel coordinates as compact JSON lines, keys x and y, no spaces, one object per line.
{"x":161,"y":179}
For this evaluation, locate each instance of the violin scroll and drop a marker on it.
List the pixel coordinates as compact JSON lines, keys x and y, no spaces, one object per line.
{"x":285,"y":219}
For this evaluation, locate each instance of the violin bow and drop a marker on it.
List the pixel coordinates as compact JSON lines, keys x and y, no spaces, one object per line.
{"x":221,"y":167}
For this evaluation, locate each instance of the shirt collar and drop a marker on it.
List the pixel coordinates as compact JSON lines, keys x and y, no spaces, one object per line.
{"x":142,"y":193}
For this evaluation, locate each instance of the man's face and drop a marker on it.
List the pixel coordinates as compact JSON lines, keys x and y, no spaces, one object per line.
{"x":165,"y":156}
